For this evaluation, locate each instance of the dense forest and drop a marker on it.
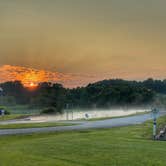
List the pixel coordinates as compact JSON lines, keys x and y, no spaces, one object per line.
{"x":102,"y":94}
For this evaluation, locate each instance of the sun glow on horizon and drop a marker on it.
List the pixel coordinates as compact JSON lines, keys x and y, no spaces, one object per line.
{"x":32,"y":78}
{"x":31,"y":86}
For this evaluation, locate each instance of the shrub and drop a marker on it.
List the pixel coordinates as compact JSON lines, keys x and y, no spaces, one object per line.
{"x":50,"y":110}
{"x":7,"y":112}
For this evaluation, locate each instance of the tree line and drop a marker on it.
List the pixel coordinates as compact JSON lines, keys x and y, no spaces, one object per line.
{"x":102,"y":94}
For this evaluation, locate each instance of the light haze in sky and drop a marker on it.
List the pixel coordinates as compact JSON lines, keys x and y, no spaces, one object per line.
{"x":104,"y":38}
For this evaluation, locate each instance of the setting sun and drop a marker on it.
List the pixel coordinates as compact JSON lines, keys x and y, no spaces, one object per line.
{"x":32,"y":79}
{"x":27,"y":76}
{"x":32,"y":84}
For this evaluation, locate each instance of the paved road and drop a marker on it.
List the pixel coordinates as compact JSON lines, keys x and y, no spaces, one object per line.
{"x":137,"y":119}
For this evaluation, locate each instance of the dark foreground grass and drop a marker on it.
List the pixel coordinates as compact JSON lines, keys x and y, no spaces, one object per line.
{"x":124,"y":146}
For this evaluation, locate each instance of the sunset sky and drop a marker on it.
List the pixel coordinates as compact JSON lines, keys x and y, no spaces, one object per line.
{"x":76,"y":42}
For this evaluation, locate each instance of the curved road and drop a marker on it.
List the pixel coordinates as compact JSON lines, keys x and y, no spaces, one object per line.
{"x":132,"y":120}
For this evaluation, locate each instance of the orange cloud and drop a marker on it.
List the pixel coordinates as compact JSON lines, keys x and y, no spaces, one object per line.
{"x":31,"y":76}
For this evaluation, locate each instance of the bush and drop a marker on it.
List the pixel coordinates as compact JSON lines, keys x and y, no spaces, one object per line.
{"x":50,"y":110}
{"x":7,"y":112}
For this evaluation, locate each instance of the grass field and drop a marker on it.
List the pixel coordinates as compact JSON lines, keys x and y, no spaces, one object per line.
{"x":124,"y":146}
{"x":12,"y":116}
{"x":33,"y":125}
{"x":22,"y":109}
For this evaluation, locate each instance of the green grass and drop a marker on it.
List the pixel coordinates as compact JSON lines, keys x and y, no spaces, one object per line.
{"x":12,"y":116}
{"x":33,"y":125}
{"x":122,"y":146}
{"x":22,"y":109}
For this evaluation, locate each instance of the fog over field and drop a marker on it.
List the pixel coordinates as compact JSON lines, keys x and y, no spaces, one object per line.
{"x":90,"y":114}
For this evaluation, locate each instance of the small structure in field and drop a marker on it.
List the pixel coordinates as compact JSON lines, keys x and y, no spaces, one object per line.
{"x":162,"y":134}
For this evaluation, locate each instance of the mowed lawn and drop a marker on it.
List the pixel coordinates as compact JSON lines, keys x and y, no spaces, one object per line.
{"x":33,"y":125}
{"x":11,"y":117}
{"x":124,"y":146}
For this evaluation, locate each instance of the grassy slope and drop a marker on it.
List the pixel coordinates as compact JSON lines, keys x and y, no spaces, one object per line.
{"x":12,"y":116}
{"x":124,"y":146}
{"x":33,"y":125}
{"x":22,"y":109}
